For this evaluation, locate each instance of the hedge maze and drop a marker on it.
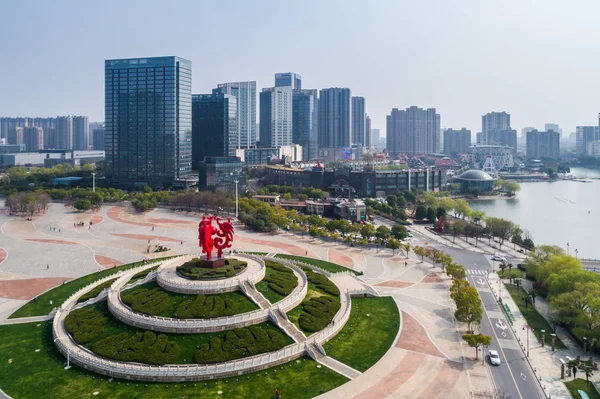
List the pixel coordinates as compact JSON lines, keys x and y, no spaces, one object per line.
{"x":321,"y":282}
{"x":240,"y":342}
{"x":85,"y":324}
{"x":153,"y":301}
{"x":96,"y":291}
{"x":205,"y":307}
{"x":318,"y":312}
{"x":140,"y":347}
{"x":193,"y":271}
{"x":283,"y":281}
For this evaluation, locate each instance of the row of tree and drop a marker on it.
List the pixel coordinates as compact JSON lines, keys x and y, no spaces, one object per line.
{"x":27,"y":203}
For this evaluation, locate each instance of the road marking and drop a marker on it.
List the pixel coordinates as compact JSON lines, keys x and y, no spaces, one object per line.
{"x":523,"y":376}
{"x":481,"y":282}
{"x":503,"y":334}
{"x":500,"y":324}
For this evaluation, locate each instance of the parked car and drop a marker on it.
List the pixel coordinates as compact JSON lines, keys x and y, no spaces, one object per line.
{"x":494,"y":357}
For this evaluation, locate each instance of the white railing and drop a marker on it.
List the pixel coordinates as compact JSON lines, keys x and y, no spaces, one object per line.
{"x":317,"y":268}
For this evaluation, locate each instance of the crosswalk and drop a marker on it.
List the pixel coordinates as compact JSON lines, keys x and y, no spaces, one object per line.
{"x":478,"y":272}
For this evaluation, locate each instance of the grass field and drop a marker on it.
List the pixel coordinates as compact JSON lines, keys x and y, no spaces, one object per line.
{"x":330,"y":267}
{"x":244,"y":304}
{"x":580,"y":383}
{"x":534,"y":319}
{"x":263,"y":285}
{"x":41,"y":306}
{"x":27,"y":374}
{"x":368,"y":334}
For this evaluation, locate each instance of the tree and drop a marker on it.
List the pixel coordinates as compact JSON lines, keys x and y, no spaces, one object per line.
{"x":399,"y":232}
{"x":82,"y":205}
{"x":420,"y":251}
{"x":477,"y":340}
{"x":367,"y":231}
{"x":383,"y":233}
{"x":565,"y":280}
{"x":456,"y":228}
{"x":335,"y":236}
{"x":363,"y":242}
{"x":456,"y":271}
{"x":421,"y":212}
{"x":391,"y":200}
{"x":461,"y":208}
{"x":430,"y":214}
{"x":446,"y":203}
{"x":540,"y":256}
{"x":573,"y":365}
{"x":468,"y":306}
{"x":406,"y":247}
{"x":580,"y":307}
{"x":348,"y":240}
{"x":589,"y":372}
{"x":444,"y":259}
{"x":429,"y":200}
{"x":440,"y":212}
{"x":554,"y":265}
{"x":313,"y":231}
{"x":393,"y":244}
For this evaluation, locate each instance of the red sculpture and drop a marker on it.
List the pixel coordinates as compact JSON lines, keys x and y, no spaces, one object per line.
{"x":206,"y":230}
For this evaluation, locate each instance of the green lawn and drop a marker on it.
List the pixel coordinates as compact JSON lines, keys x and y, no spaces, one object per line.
{"x":294,"y":314}
{"x":330,"y":267}
{"x":41,"y":305}
{"x":187,"y":342}
{"x":26,"y":374}
{"x":582,"y":384}
{"x":534,"y":319}
{"x":515,"y":273}
{"x":244,"y":304}
{"x":368,"y":334}
{"x":263,"y":285}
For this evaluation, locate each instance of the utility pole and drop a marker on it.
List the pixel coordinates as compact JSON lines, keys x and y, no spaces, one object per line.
{"x":93,"y":182}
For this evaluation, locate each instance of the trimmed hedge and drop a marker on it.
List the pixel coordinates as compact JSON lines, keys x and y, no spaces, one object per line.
{"x":96,"y":291}
{"x":141,"y":275}
{"x":321,"y":281}
{"x":193,"y":271}
{"x":149,"y":301}
{"x":318,"y":312}
{"x":241,"y":342}
{"x":284,"y":281}
{"x":85,"y":324}
{"x":205,"y":307}
{"x":144,"y":347}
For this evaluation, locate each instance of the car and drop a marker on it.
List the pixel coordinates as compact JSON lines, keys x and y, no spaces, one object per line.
{"x":409,"y":234}
{"x":494,"y":358}
{"x":498,"y":258}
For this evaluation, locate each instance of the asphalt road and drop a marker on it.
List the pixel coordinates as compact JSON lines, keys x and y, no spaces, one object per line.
{"x":514,"y":377}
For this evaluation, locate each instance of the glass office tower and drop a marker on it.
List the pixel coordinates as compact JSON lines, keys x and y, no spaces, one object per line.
{"x":148,"y":121}
{"x":305,"y":122}
{"x":245,"y":95}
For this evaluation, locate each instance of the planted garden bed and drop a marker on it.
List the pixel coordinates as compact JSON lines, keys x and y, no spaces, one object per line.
{"x":194,"y":271}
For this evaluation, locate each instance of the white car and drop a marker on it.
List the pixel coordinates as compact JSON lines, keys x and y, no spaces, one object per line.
{"x":498,"y":258}
{"x":494,"y":358}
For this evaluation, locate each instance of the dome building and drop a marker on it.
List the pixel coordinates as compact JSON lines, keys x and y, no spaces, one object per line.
{"x":477,"y":179}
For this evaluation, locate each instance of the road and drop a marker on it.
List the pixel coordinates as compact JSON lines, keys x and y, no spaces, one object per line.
{"x":514,"y":377}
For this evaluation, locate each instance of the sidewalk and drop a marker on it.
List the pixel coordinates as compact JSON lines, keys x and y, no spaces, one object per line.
{"x":544,"y":362}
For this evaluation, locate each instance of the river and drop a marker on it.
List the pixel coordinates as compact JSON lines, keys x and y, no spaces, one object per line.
{"x":556,"y":213}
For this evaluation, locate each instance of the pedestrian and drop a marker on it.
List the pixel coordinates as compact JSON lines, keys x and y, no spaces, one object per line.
{"x":59,"y":230}
{"x":181,"y":242}
{"x":306,"y":252}
{"x":277,"y":393}
{"x":148,"y":241}
{"x":47,"y":266}
{"x":405,"y":264}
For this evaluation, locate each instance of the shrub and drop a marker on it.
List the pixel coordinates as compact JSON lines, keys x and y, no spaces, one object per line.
{"x":141,"y":275}
{"x":283,"y":281}
{"x":318,"y":312}
{"x":85,"y":324}
{"x":144,"y":347}
{"x":205,"y":307}
{"x":240,"y":342}
{"x":193,"y":271}
{"x":149,"y":301}
{"x":321,"y":282}
{"x":96,"y":291}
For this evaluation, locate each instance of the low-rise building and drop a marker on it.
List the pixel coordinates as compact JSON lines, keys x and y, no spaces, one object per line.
{"x":222,"y":173}
{"x":269,"y":199}
{"x":593,"y":149}
{"x":355,"y":210}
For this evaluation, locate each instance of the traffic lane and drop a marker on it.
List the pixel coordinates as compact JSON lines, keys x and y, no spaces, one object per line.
{"x":528,"y":385}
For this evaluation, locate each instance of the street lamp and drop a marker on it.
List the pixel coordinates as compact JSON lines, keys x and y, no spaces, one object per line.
{"x":236,"y":180}
{"x":68,"y":366}
{"x":499,"y":290}
{"x":94,"y":182}
{"x":528,"y":328}
{"x":576,"y":253}
{"x":568,"y":245}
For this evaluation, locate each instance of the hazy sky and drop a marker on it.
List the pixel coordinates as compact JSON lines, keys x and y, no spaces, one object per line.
{"x":537,"y":60}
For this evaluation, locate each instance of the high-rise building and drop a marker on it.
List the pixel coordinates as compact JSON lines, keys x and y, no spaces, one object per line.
{"x":584,"y":135}
{"x":15,"y":135}
{"x":64,"y":132}
{"x":305,"y":121}
{"x":368,"y":138}
{"x":148,"y":121}
{"x":413,"y":131}
{"x":335,"y":110}
{"x":288,"y":79}
{"x":214,"y":126}
{"x":91,"y":127}
{"x":553,"y":126}
{"x":358,"y":120}
{"x":376,"y":137}
{"x":276,"y":116}
{"x":33,"y":138}
{"x":545,"y":144}
{"x":98,"y":139}
{"x":457,"y":141}
{"x":245,"y":95}
{"x":496,"y":130}
{"x":81,"y":135}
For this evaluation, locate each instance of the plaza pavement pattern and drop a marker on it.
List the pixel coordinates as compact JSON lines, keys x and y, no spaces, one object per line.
{"x":427,"y":359}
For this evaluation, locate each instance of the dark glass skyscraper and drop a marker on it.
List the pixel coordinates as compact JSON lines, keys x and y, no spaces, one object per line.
{"x":290,"y":79}
{"x":335,"y":109}
{"x":148,"y":121}
{"x":214,"y":126}
{"x":305,"y":121}
{"x":358,"y":120}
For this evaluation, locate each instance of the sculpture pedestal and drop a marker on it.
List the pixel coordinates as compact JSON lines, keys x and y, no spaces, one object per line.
{"x":211,"y":264}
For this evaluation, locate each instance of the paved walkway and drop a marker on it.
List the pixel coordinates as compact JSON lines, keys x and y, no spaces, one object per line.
{"x":22,"y":320}
{"x":339,"y":367}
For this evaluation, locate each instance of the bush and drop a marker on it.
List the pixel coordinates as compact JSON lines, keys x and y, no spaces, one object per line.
{"x":144,"y":347}
{"x":284,"y":281}
{"x":205,"y":307}
{"x":241,"y":342}
{"x":149,"y":301}
{"x":85,"y":324}
{"x":321,"y":282}
{"x":318,"y":312}
{"x":141,"y":275}
{"x":194,"y":271}
{"x":96,"y":291}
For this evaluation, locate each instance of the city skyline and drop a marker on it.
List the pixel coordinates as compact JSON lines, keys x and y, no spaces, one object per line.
{"x":72,"y":73}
